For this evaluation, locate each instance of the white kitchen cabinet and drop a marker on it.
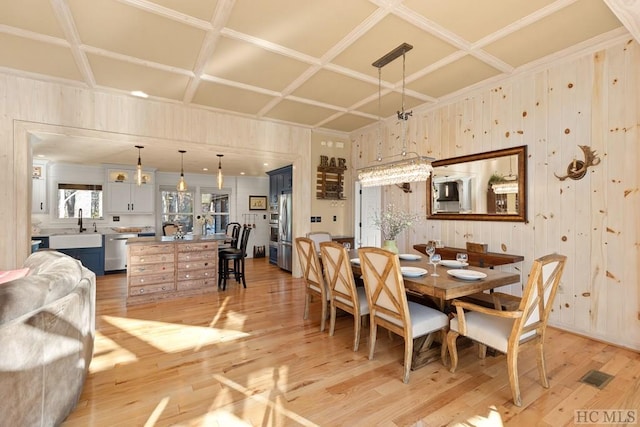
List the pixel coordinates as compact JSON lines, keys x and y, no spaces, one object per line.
{"x":125,"y":196}
{"x":39,"y":188}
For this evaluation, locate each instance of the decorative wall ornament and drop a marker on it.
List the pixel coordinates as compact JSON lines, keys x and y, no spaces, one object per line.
{"x":330,"y":178}
{"x":578,"y":168}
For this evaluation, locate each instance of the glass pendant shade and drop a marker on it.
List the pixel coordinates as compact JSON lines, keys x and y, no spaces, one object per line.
{"x":220,"y":177}
{"x":139,"y":166}
{"x":182,"y":184}
{"x":406,"y":170}
{"x":505,"y":187}
{"x":411,"y":167}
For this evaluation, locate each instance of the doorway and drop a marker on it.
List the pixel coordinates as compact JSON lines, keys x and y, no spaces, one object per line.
{"x":368,"y":200}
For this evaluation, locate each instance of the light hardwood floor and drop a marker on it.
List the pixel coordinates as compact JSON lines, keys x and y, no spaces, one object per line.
{"x":246,"y":357}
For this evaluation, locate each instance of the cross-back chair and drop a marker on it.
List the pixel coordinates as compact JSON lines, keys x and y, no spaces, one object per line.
{"x":312,"y":274}
{"x":505,"y":331}
{"x":389,"y":308}
{"x":342,"y":288}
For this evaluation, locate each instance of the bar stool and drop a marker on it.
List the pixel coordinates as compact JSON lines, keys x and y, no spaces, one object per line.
{"x":237,"y":256}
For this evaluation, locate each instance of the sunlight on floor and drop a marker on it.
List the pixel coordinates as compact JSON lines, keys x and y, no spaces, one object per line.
{"x":166,"y":337}
{"x":491,"y":420}
{"x":272,"y":411}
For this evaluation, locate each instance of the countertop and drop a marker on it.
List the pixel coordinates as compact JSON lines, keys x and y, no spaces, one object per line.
{"x":189,"y":238}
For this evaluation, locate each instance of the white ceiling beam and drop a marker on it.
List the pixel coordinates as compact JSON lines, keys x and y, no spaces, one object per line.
{"x":628,"y":12}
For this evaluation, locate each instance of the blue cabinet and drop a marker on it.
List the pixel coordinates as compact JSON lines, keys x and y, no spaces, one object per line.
{"x":92,"y":258}
{"x":280,"y":181}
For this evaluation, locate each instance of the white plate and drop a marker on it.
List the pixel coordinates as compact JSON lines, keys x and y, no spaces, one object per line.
{"x":409,"y":257}
{"x":453,"y":263}
{"x":467,"y":274}
{"x":355,"y":261}
{"x":413,"y":271}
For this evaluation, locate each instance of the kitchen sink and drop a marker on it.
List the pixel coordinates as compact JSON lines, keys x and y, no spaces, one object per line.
{"x":71,"y":241}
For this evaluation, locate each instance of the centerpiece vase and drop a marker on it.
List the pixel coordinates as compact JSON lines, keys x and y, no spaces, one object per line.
{"x":390,"y":245}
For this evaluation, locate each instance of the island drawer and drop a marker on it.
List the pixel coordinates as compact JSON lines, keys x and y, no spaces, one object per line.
{"x":209,"y":282}
{"x":196,"y":256}
{"x":151,"y":289}
{"x":192,"y":247}
{"x":152,"y":258}
{"x":195,"y":274}
{"x":151,"y":249}
{"x":146,"y":269}
{"x":151,"y":279}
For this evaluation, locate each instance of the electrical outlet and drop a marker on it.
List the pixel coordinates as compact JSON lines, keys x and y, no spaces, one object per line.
{"x":318,"y":219}
{"x":313,"y":219}
{"x":116,"y":218}
{"x":335,"y":218}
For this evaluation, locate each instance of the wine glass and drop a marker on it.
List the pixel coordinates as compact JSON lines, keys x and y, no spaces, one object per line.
{"x":462,"y":259}
{"x":435,"y":259}
{"x":431,"y":249}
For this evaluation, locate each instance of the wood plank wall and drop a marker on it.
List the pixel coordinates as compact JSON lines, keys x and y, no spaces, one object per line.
{"x":590,"y":100}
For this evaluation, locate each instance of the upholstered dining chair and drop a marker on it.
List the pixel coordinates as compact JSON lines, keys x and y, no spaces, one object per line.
{"x":505,"y":331}
{"x":319,"y":237}
{"x":389,"y":308}
{"x":312,"y":274}
{"x":342,"y":288}
{"x":169,"y":229}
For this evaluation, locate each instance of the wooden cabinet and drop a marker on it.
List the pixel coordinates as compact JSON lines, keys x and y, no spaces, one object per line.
{"x":125,"y":196}
{"x":159,"y":269}
{"x":39,"y":188}
{"x":197,"y":265}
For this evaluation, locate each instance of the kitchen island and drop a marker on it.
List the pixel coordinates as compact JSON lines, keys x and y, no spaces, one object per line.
{"x":162,"y":267}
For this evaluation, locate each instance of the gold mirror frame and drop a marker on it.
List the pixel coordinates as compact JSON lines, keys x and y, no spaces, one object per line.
{"x":521,"y":168}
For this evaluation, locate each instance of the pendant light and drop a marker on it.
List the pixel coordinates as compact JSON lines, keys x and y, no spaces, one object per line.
{"x":220,"y":177}
{"x":139,"y":167}
{"x":182,"y":185}
{"x":410,"y":167}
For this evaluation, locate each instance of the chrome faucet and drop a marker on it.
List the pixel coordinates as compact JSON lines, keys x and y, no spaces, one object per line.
{"x":80,"y":220}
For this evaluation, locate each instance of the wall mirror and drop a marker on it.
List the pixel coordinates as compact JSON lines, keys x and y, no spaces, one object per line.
{"x":488,"y":186}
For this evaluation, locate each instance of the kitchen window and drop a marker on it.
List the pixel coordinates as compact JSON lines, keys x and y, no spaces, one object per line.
{"x":73,"y":197}
{"x":177,"y":207}
{"x":216,"y":204}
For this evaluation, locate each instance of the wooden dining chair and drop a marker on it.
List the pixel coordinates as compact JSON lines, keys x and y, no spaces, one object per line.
{"x":343,"y":293}
{"x":169,"y":229}
{"x":312,"y":274}
{"x":389,"y":308}
{"x":505,"y":331}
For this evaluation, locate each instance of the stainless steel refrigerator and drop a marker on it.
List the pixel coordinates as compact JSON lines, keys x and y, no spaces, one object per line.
{"x":285,"y":232}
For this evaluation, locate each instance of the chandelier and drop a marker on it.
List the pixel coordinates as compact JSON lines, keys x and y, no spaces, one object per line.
{"x":407,"y":166}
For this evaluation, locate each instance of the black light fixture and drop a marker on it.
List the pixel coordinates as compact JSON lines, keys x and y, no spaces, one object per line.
{"x":182,"y":185}
{"x":139,"y":167}
{"x":220,"y":177}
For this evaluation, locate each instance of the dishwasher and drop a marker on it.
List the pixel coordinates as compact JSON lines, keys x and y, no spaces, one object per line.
{"x":115,"y":251}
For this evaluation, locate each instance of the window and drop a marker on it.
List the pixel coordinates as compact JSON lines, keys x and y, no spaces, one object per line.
{"x":177,"y":207}
{"x":73,"y":197}
{"x":216,"y":204}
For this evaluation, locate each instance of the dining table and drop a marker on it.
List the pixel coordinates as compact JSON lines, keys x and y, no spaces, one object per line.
{"x":440,"y":290}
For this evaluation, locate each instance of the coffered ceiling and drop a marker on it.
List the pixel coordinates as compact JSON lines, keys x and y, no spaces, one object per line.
{"x":301,"y":62}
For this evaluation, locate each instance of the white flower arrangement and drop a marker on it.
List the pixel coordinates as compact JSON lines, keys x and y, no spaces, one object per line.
{"x":392,"y":221}
{"x":204,"y":219}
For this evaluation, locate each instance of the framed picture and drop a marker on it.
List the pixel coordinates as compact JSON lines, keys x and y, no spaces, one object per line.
{"x":257,"y":203}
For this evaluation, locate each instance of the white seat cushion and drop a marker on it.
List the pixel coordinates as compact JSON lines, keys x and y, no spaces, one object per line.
{"x":362,"y":301}
{"x":423,"y":319}
{"x":489,"y":330}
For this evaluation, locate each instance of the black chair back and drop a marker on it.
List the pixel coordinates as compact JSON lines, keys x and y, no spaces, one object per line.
{"x":233,"y":231}
{"x":244,"y":240}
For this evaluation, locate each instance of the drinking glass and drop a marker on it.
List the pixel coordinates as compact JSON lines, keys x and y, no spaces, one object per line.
{"x":462,"y":258}
{"x":435,"y":259}
{"x":431,"y":249}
